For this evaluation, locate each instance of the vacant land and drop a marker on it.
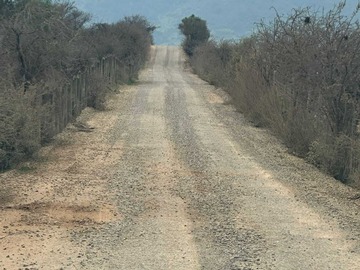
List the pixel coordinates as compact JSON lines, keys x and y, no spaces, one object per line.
{"x":170,"y":176}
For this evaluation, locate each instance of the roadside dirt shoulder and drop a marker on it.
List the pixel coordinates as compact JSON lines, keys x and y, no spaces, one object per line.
{"x":44,"y":202}
{"x":306,"y":218}
{"x":170,"y":176}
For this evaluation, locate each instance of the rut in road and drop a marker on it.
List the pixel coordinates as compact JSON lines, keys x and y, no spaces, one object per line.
{"x":207,"y":201}
{"x":159,"y":234}
{"x":180,"y":180}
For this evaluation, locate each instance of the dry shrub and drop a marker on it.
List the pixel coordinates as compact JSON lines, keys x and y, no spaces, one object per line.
{"x":53,"y":65}
{"x":210,"y":61}
{"x":207,"y":63}
{"x":97,"y":91}
{"x":270,"y":107}
{"x":338,"y":156}
{"x":19,"y":125}
{"x":299,"y":76}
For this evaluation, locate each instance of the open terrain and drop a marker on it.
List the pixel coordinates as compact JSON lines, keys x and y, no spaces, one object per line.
{"x":170,"y":176}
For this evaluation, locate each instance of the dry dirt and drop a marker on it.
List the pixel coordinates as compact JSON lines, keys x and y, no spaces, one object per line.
{"x":170,"y":176}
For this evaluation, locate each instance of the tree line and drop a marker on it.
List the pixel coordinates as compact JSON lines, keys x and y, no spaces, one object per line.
{"x":298,"y":76}
{"x":44,"y":44}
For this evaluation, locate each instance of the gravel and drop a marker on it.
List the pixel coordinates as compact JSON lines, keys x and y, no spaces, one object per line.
{"x":189,"y":184}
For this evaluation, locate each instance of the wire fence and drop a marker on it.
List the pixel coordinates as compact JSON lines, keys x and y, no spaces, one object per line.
{"x":60,"y":106}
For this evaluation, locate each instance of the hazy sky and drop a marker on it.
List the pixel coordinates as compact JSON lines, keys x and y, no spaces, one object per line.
{"x":226,"y":18}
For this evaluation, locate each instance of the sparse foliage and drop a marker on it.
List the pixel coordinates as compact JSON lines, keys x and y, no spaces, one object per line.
{"x":47,"y":48}
{"x":298,"y":76}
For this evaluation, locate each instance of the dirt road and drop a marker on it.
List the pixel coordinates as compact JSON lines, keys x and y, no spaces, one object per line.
{"x":171,"y":177}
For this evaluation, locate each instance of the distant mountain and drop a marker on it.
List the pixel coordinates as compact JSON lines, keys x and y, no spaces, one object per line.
{"x":227,"y":19}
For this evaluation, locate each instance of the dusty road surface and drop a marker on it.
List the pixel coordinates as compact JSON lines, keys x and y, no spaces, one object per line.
{"x":170,"y":176}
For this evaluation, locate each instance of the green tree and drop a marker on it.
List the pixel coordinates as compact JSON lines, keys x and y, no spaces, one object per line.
{"x":195,"y":31}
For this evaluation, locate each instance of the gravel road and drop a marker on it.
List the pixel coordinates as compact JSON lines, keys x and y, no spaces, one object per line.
{"x":172,"y":177}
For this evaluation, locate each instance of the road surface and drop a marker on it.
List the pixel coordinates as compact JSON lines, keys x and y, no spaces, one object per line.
{"x":172,"y":177}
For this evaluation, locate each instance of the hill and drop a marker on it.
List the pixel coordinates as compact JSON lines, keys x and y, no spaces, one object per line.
{"x":227,"y":19}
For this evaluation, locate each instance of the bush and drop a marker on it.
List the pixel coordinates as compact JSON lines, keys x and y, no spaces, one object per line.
{"x":53,"y":64}
{"x":97,"y":92}
{"x":20,"y":128}
{"x":338,"y":156}
{"x":299,"y":77}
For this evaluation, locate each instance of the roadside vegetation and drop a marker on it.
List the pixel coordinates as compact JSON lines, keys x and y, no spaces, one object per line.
{"x":47,"y":49}
{"x":298,"y":76}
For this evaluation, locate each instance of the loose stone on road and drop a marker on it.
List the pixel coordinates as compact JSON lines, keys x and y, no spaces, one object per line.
{"x":173,"y":177}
